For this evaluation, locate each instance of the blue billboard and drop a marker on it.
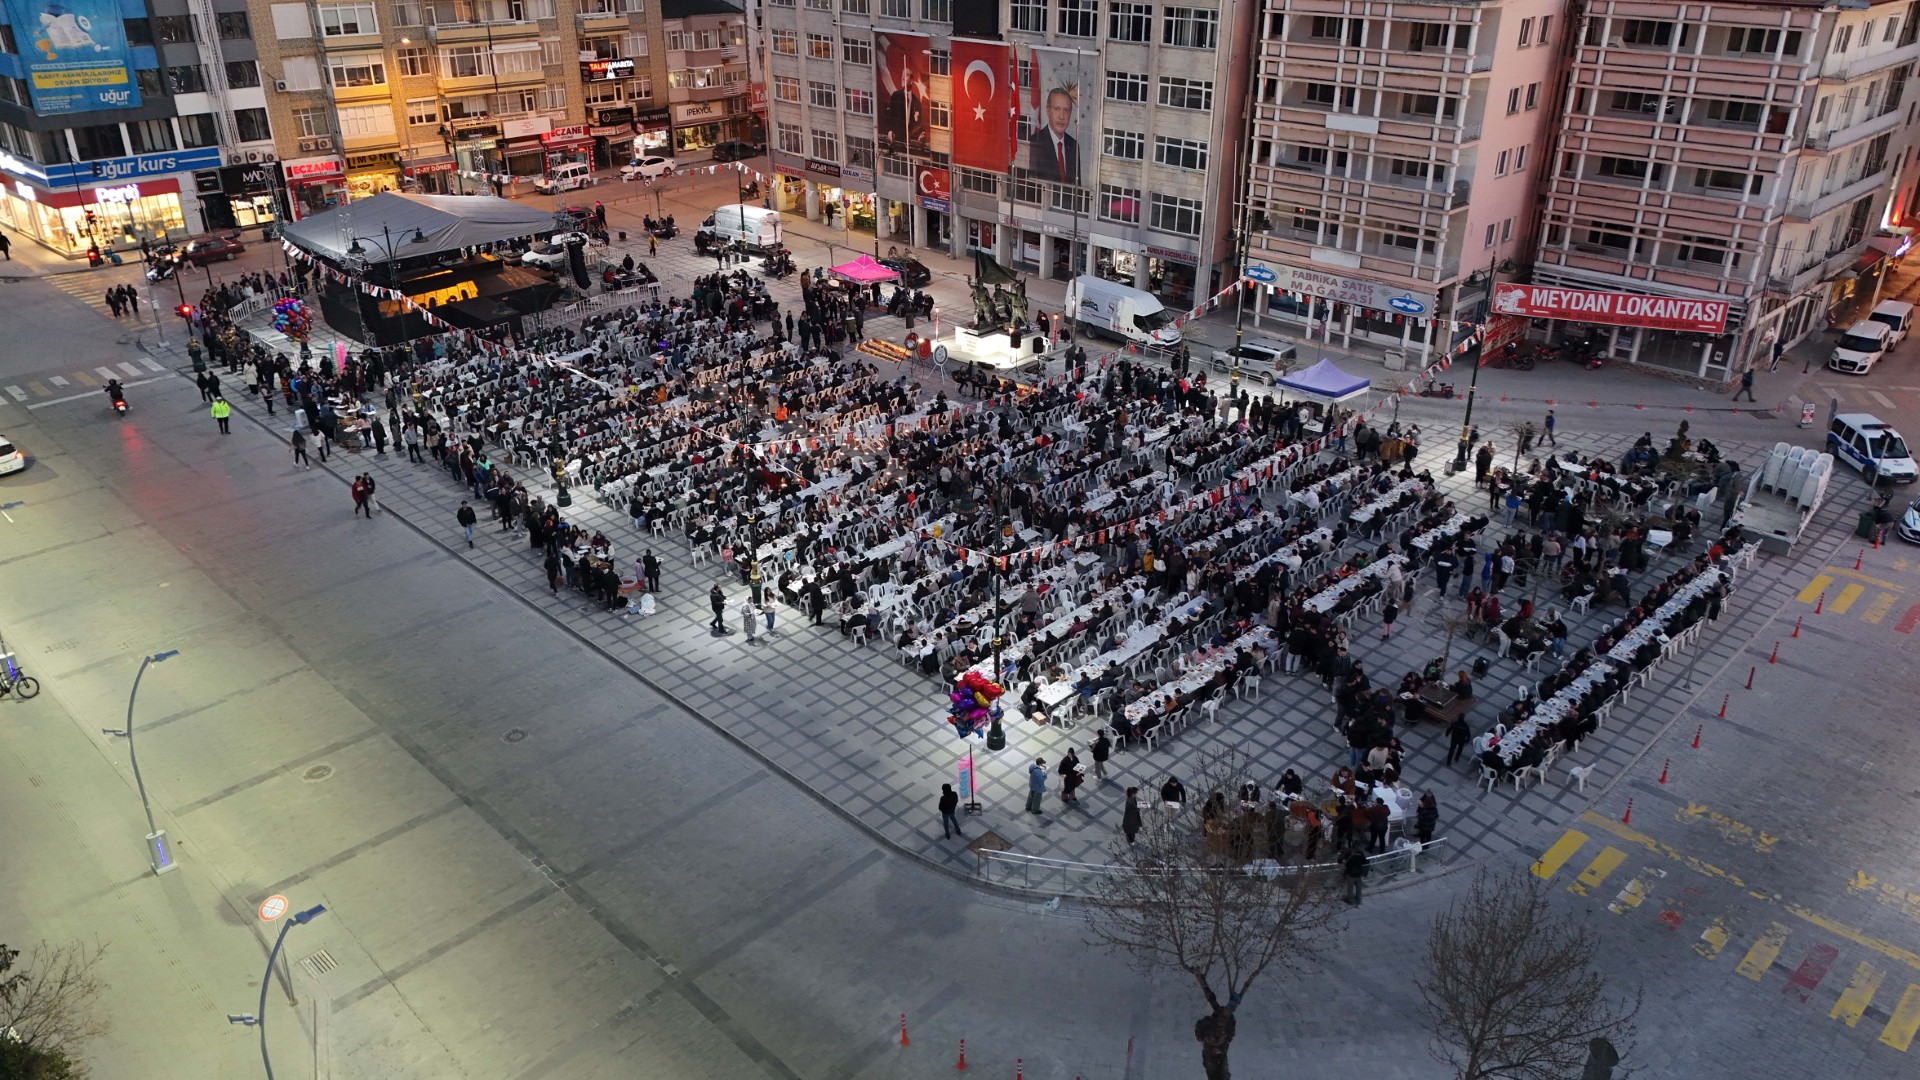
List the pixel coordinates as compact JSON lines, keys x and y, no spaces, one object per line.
{"x":75,"y":53}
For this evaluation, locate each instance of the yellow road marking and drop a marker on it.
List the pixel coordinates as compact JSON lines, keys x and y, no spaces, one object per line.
{"x":1556,"y":856}
{"x":1839,"y":929}
{"x":83,"y":377}
{"x":1734,"y":831}
{"x":1899,"y":899}
{"x":1636,"y":891}
{"x":1876,"y":611}
{"x":1847,"y":596}
{"x":1712,"y":939}
{"x":1648,"y":842}
{"x":39,"y":388}
{"x":1764,"y":952}
{"x":1603,"y":864}
{"x":1858,"y":994}
{"x":1855,"y":575}
{"x":1814,"y":588}
{"x":1906,"y":1020}
{"x":1862,"y":881}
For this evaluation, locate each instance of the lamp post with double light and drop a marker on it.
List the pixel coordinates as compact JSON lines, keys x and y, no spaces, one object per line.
{"x":387,"y":246}
{"x":1488,"y":276}
{"x":259,"y":1019}
{"x":158,"y":854}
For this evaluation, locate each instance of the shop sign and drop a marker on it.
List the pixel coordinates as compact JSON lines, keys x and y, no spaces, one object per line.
{"x":1359,"y":292}
{"x":120,"y":168}
{"x":622,"y":115}
{"x":572,"y":133}
{"x":366,"y":162}
{"x":477,"y":134}
{"x":823,"y":168}
{"x":1682,"y":313}
{"x":207,"y":182}
{"x":930,"y":184}
{"x":695,"y":112}
{"x":1114,"y":243}
{"x":305,"y":170}
{"x":26,"y":191}
{"x":855,"y":172}
{"x":611,"y":132}
{"x":125,"y":193}
{"x":526,"y":129}
{"x":246,"y":179}
{"x":654,"y":118}
{"x":757,"y":97}
{"x":480,"y":145}
{"x":424,"y":168}
{"x":604,"y":70}
{"x":1171,"y":255}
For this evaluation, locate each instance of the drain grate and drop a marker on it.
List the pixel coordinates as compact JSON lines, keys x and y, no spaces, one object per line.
{"x":319,"y":963}
{"x":317,"y":774}
{"x":514,"y":735}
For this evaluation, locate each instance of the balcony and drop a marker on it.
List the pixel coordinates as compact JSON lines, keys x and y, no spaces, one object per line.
{"x":1840,"y":138}
{"x":681,"y":94}
{"x":467,"y":33}
{"x":1833,"y":72}
{"x":1806,"y":209}
{"x":602,"y":22}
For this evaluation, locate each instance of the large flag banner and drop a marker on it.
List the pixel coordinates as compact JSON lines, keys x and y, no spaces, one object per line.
{"x":903,"y":86}
{"x":75,"y":53}
{"x":983,"y":95}
{"x":1060,"y":111}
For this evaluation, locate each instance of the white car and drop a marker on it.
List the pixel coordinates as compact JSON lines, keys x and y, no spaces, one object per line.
{"x":652,"y":167}
{"x":1262,"y":359}
{"x":11,"y":459}
{"x":550,"y":256}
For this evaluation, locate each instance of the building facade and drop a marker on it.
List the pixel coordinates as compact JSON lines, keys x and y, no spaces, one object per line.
{"x":1736,"y":153}
{"x":446,"y":96}
{"x":1395,"y":155}
{"x":708,"y":86}
{"x":142,"y":142}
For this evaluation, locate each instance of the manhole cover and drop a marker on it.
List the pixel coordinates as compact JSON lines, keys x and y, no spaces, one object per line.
{"x":317,"y":774}
{"x":320,"y":963}
{"x":515,"y":735}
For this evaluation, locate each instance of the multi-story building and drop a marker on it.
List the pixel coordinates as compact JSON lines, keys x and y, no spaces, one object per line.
{"x":161,"y":132}
{"x":1736,"y":153}
{"x":1394,"y":153}
{"x":432,"y":95}
{"x":708,"y":88}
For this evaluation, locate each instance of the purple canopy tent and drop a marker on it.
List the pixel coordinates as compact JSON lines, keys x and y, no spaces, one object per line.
{"x":1325,"y":380}
{"x":863,"y":271}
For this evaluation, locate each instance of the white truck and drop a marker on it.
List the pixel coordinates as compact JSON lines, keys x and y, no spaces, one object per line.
{"x":1121,"y":311}
{"x":755,"y":226}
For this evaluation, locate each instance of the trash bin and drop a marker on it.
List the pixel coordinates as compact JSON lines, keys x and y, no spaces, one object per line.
{"x":1864,"y":529}
{"x":623,"y":236}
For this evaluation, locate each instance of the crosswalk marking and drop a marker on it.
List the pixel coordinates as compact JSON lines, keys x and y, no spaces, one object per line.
{"x":1556,"y":856}
{"x":1858,"y":994}
{"x":1763,"y":953}
{"x":1636,"y":891}
{"x":130,"y":369}
{"x":18,"y":394}
{"x":151,"y":366}
{"x":56,"y":380}
{"x":1900,"y":1030}
{"x":1813,"y":967}
{"x":39,"y":388}
{"x":1876,"y":611}
{"x":81,"y":376}
{"x":1814,"y":588}
{"x":1885,"y":401}
{"x":106,"y":373}
{"x":1712,"y":939}
{"x":1603,"y":864}
{"x":1846,"y":598}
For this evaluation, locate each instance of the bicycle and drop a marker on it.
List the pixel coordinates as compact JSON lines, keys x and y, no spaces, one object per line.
{"x":12,"y":678}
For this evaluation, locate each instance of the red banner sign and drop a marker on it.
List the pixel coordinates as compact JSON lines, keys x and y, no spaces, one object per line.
{"x":983,"y":96}
{"x":1612,"y":308}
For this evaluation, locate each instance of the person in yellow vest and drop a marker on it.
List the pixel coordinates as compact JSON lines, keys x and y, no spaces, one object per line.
{"x":222,"y":410}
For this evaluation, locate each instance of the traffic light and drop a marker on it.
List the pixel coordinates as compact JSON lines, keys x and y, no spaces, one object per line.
{"x":185,"y":311}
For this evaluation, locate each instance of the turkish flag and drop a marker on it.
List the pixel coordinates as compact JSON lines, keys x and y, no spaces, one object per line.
{"x":982,"y":105}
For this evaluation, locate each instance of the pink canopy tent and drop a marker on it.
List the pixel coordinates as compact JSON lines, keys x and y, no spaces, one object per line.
{"x":863,"y":271}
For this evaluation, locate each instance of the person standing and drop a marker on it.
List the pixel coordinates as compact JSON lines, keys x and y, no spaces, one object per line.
{"x":1101,"y":749}
{"x":1482,"y":465}
{"x":360,"y":496}
{"x":1425,"y":818}
{"x":718,"y":598}
{"x":221,"y":410}
{"x":379,"y":438}
{"x":1355,"y":871}
{"x":766,"y":611}
{"x":466,"y":517}
{"x":299,"y":441}
{"x":949,"y":803}
{"x":1130,"y":817}
{"x":650,"y":569}
{"x":1387,"y":614}
{"x":1036,"y":784}
{"x":1444,"y":564}
{"x":1458,"y":735}
{"x":1746,"y":386}
{"x":412,"y":436}
{"x":1377,"y":818}
{"x":1071,"y":774}
{"x":746,"y":616}
{"x":373,"y":504}
{"x":1548,"y":438}
{"x":6,"y":247}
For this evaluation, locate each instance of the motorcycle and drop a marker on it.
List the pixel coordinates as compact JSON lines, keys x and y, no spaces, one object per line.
{"x":118,"y":397}
{"x":1439,"y":390}
{"x":1513,"y":356}
{"x":661,"y":228}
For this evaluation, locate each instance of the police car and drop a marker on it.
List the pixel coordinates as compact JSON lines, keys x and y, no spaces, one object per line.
{"x":11,"y":459}
{"x":1871,"y":445}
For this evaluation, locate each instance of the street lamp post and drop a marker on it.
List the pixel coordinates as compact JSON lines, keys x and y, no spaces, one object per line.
{"x":259,"y":1019}
{"x":393,"y":258}
{"x":158,"y":855}
{"x":1492,"y":272}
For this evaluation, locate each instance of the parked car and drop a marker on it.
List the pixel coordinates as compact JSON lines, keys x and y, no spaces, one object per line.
{"x":570,"y":176}
{"x":1871,"y":445}
{"x":913,"y":273}
{"x":212,"y":249}
{"x":549,"y":256}
{"x":735,"y":150}
{"x":1260,"y":358}
{"x":11,"y":459}
{"x":651,"y":167}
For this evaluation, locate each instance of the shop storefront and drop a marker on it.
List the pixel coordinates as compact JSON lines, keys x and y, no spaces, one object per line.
{"x":524,"y":153}
{"x":1119,"y":259}
{"x":477,"y":155}
{"x":1171,"y":275}
{"x":371,"y":174}
{"x":1317,"y":305}
{"x":430,"y":176}
{"x":566,"y":146}
{"x":654,"y":135}
{"x":698,"y":125}
{"x":114,"y":203}
{"x":787,"y":191}
{"x":1026,"y":250}
{"x":314,"y":184}
{"x":238,"y":196}
{"x":613,"y":135}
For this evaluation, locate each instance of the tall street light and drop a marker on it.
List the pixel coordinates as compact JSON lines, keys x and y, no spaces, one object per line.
{"x":1490,"y":275}
{"x":158,"y":855}
{"x":259,"y":1019}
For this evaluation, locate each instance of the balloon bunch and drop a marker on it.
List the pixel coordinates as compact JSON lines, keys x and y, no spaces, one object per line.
{"x":292,"y":318}
{"x":973,"y":705}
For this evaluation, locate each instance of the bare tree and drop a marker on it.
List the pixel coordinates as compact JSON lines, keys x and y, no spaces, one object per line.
{"x":46,"y":1007}
{"x":1451,"y":619}
{"x":1180,"y":900}
{"x":1523,"y":435}
{"x":1510,"y":986}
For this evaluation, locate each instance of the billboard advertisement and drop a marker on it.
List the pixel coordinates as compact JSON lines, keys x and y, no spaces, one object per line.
{"x":1059,"y":110}
{"x":983,"y":94}
{"x":902,"y":84}
{"x":76,"y":55}
{"x":1681,"y":313}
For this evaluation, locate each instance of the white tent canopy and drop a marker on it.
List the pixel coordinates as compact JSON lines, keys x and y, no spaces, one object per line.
{"x":443,"y":222}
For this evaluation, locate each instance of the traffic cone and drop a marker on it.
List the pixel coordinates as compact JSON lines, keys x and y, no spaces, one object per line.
{"x":1750,"y":672}
{"x":1775,"y":657}
{"x":1663,"y":770}
{"x":1625,"y":819}
{"x":1019,"y":1069}
{"x":962,"y":1066}
{"x":1724,"y":698}
{"x":1857,"y":558}
{"x":1820,"y":603}
{"x":1796,"y":625}
{"x":1696,"y":735}
{"x":903,"y":1029}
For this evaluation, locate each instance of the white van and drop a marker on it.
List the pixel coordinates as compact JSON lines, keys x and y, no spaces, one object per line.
{"x":1121,"y":311}
{"x":567,"y":177}
{"x":1864,"y":343}
{"x":1897,"y":315}
{"x":1869,"y":444}
{"x":755,"y":226}
{"x":1264,"y":359}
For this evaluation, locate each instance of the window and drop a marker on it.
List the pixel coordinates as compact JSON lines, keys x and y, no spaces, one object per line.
{"x":1702,"y":249}
{"x":1513,"y":101}
{"x":820,"y":5}
{"x":1893,"y":29}
{"x":149,"y":136}
{"x":173,"y":29}
{"x":860,"y":151}
{"x":1602,"y":235}
{"x":820,"y":46}
{"x":984,"y":183}
{"x":1125,"y":145}
{"x":1843,"y":39}
{"x":822,"y":96}
{"x":1122,"y":86}
{"x":1866,"y":33}
{"x":251,"y":125}
{"x":1191,"y":28}
{"x":1078,"y":18}
{"x":1636,"y":169}
{"x":1646,"y":32}
{"x":936,"y":10}
{"x":550,"y":52}
{"x":939,"y":115}
{"x":1500,"y":163}
{"x":892,"y":9}
{"x":1762,"y":42}
{"x":1533,"y":95}
{"x":1430,"y":106}
{"x":786,"y":88}
{"x":633,"y":44}
{"x":312,"y":119}
{"x":1180,"y":153}
{"x":857,"y":50}
{"x":1506,"y":230}
{"x":1526,"y":32}
{"x":787,"y":137}
{"x":337,"y":20}
{"x":1130,"y":22}
{"x":1633,"y":101}
{"x":242,"y":74}
{"x":826,"y":145}
{"x":1175,"y":215}
{"x":785,"y":42}
{"x":857,"y":7}
{"x":1519,"y":159}
{"x":1416,"y":170}
{"x":939,"y":62}
{"x":1546,"y":25}
{"x":1316,"y":158}
{"x":602,"y":93}
{"x":463,"y":61}
{"x":198,"y":130}
{"x":187,"y":79}
{"x":1325,"y":27}
{"x":1747,"y":114}
{"x":232,"y":25}
{"x":99,"y":141}
{"x":1177,"y":93}
{"x":1121,"y":204}
{"x":1029,"y":15}
{"x":1406,"y":241}
{"x":1490,"y":234}
{"x":421,"y":112}
{"x":409,"y":13}
{"x":417,"y":61}
{"x":366,"y":120}
{"x":1433,"y":37}
{"x":1720,"y":180}
{"x":859,"y":101}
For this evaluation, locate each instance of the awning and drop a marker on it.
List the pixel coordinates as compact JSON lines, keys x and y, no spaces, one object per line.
{"x":1326,"y":380}
{"x":863,"y":271}
{"x":568,"y":144}
{"x":1868,"y":259}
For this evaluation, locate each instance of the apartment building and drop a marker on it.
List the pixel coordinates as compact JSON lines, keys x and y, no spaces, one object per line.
{"x":430,"y":95}
{"x":160,"y":135}
{"x":708,"y":86}
{"x":1394,"y":155}
{"x":1739,"y":154}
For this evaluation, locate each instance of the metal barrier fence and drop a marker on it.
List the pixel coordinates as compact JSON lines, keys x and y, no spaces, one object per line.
{"x":1061,"y":877}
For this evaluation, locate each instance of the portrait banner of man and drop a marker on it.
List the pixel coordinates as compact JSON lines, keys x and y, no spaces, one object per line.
{"x":1060,"y":106}
{"x":903,"y":86}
